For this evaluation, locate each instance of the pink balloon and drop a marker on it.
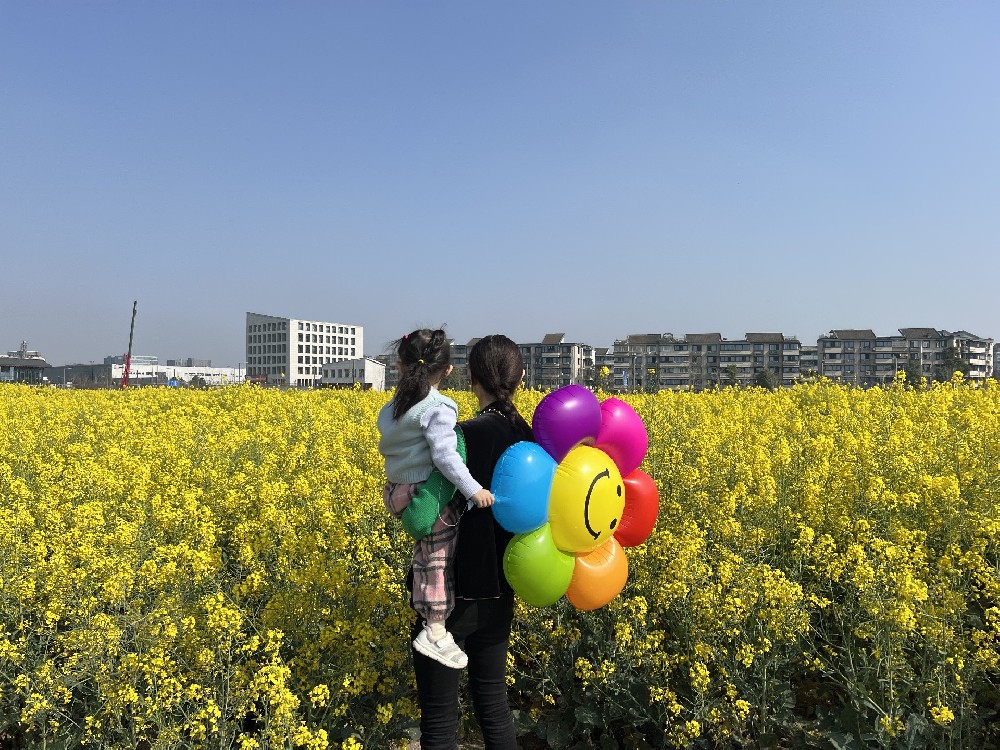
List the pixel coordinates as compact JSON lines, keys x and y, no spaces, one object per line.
{"x":622,"y":435}
{"x":565,"y":418}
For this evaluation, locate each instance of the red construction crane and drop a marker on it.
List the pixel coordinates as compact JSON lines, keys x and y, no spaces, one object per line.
{"x":128,"y":354}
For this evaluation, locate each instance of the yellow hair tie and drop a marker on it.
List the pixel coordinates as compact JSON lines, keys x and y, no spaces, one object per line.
{"x":421,"y":362}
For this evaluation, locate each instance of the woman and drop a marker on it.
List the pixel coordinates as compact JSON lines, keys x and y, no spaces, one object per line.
{"x":484,"y":600}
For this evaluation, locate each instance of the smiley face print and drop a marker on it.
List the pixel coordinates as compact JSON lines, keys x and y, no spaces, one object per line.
{"x":586,"y":500}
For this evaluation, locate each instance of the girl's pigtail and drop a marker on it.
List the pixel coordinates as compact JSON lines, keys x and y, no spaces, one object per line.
{"x":422,"y":353}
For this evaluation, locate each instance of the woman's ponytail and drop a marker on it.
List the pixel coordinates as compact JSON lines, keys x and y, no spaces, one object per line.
{"x":497,"y":365}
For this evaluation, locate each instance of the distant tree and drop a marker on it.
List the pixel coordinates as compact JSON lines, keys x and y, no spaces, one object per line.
{"x":766,"y":378}
{"x":731,"y":375}
{"x":458,"y":380}
{"x":605,"y":381}
{"x":952,"y":361}
{"x":912,"y":372}
{"x":652,"y":386}
{"x":197,"y":382}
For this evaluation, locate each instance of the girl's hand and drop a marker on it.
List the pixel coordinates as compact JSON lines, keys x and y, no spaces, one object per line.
{"x":483,"y":498}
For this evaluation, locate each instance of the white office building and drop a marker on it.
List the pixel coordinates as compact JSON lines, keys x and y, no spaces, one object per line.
{"x":292,"y":352}
{"x":365,"y":373}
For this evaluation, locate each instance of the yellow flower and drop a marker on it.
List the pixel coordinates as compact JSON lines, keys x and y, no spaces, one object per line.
{"x":942,"y":715}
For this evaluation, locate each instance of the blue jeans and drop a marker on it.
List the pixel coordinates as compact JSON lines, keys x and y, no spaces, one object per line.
{"x":482,"y":628}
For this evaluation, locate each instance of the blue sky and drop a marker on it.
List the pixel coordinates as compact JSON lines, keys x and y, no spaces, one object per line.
{"x":593,"y":168}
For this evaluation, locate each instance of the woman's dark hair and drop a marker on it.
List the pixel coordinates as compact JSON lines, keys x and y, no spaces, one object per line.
{"x":424,"y":353}
{"x":495,"y":362}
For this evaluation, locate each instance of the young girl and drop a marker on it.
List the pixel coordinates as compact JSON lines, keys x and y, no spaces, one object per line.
{"x":417,"y":434}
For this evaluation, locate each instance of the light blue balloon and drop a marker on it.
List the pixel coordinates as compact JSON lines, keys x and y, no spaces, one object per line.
{"x":522,"y":479}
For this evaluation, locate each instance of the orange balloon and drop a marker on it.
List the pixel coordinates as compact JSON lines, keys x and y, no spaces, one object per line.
{"x":599,"y":576}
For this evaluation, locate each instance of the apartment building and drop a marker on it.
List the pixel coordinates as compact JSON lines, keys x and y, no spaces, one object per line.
{"x":290,"y":351}
{"x":859,"y":357}
{"x":635,"y":359}
{"x":698,"y":361}
{"x":977,"y":352}
{"x":808,"y":361}
{"x":848,"y":356}
{"x":778,"y":353}
{"x":553,"y":363}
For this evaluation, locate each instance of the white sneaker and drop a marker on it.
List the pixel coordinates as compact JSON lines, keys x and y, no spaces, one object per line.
{"x":445,"y":651}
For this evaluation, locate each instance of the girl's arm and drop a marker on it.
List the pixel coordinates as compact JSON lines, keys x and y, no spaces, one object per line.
{"x":438,"y":424}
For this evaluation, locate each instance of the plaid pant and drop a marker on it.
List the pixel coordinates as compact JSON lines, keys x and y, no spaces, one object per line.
{"x":433,"y":577}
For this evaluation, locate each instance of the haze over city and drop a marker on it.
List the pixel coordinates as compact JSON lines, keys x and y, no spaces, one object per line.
{"x":594,"y":169}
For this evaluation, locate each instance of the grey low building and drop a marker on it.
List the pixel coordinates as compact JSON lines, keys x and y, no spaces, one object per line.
{"x":24,"y":366}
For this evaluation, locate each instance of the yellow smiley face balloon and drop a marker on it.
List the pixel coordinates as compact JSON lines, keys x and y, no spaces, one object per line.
{"x":586,"y":500}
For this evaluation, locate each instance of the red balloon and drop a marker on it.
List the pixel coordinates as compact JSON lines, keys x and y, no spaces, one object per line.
{"x":642,"y":503}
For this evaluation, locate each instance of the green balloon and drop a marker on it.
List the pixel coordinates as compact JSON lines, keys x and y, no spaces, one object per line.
{"x":537,"y":570}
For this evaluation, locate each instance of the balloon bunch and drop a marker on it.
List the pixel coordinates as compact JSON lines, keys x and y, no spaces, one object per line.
{"x":574,"y":499}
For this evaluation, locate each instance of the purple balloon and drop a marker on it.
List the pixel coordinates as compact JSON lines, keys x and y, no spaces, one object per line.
{"x":622,"y":436}
{"x":565,"y":418}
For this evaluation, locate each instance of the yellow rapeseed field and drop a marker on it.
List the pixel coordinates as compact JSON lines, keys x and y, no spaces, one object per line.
{"x":183,"y":568}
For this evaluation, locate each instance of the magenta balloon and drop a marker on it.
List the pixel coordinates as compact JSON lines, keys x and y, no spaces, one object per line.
{"x":622,"y":435}
{"x":565,"y":418}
